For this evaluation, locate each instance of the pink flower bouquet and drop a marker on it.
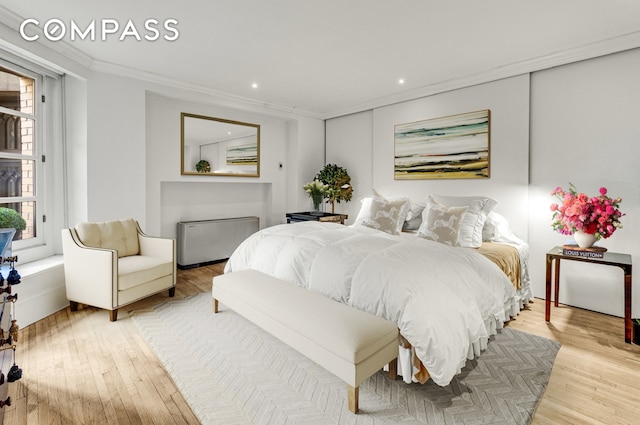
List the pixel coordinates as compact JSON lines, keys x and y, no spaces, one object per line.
{"x":597,"y":215}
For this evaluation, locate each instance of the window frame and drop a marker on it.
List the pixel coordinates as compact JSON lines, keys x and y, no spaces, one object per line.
{"x":40,"y":123}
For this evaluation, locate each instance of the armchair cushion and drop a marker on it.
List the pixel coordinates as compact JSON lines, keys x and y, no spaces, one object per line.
{"x":120,"y":235}
{"x":135,"y":270}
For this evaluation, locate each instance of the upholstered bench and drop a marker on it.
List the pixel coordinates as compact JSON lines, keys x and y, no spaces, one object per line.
{"x":351,"y":344}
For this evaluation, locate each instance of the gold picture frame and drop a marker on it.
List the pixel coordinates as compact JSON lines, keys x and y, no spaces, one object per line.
{"x":450,"y":147}
{"x":218,"y":147}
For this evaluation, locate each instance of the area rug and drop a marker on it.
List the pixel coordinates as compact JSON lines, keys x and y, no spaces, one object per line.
{"x":232,"y":372}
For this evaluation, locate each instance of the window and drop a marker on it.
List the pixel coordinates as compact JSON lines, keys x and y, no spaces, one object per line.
{"x":20,"y":147}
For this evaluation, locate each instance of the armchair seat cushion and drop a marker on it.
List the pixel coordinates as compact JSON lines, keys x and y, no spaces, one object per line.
{"x":135,"y":270}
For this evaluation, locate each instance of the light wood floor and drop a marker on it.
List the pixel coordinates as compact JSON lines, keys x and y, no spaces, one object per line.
{"x":78,"y":368}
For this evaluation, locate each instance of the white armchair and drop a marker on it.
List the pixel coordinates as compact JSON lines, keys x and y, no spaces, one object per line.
{"x":113,"y":263}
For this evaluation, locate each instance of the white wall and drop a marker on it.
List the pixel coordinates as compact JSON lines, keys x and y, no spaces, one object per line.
{"x":349,"y":144}
{"x":304,"y":158}
{"x":115,"y":148}
{"x":76,"y":158}
{"x":584,"y":130}
{"x":364,"y":144}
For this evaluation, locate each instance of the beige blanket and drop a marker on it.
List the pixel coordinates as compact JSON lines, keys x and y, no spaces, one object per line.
{"x":504,"y":256}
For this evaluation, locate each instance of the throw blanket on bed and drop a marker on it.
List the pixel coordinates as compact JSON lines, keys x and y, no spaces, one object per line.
{"x":506,"y":257}
{"x":446,"y":301}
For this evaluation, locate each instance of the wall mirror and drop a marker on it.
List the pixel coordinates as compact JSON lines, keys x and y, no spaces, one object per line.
{"x":218,"y":147}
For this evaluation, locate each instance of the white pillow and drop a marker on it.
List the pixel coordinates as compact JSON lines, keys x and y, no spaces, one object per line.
{"x":442,"y":224}
{"x":415,"y":210}
{"x":497,"y":229}
{"x":387,"y":215}
{"x":413,"y":224}
{"x":365,"y":211}
{"x":413,"y":220}
{"x":478,"y":207}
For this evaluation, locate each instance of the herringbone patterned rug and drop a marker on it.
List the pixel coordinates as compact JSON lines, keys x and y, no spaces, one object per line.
{"x":232,"y":372}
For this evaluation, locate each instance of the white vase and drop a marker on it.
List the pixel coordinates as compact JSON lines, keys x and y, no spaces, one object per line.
{"x":584,"y":240}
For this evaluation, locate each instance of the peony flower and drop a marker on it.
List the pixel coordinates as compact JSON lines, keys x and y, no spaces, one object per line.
{"x":590,"y":228}
{"x":597,"y":215}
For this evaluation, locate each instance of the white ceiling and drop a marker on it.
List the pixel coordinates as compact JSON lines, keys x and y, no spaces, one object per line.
{"x":332,"y":57}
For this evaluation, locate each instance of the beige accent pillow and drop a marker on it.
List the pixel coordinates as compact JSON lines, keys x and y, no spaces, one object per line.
{"x":442,"y":224}
{"x":478,"y":208}
{"x":387,"y":215}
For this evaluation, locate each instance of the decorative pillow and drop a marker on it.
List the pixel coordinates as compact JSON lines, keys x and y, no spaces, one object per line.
{"x":442,"y":224}
{"x":478,"y":207}
{"x":387,"y":215}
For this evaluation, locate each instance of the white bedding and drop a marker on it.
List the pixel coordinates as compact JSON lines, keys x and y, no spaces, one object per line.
{"x":446,"y":301}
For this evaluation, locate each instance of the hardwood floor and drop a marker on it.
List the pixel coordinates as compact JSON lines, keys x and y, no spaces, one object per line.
{"x":596,"y":375}
{"x":79,"y":368}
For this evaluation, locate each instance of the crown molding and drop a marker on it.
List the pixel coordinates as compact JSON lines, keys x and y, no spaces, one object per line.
{"x":617,"y":44}
{"x":59,"y":57}
{"x":234,"y":99}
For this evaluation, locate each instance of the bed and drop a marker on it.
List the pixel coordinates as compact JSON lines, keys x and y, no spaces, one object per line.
{"x":446,"y":300}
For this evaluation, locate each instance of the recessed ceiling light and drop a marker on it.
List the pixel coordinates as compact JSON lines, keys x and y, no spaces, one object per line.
{"x":400,"y":80}
{"x":254,"y":85}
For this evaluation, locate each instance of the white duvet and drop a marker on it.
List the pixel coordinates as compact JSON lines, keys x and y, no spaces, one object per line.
{"x":446,"y":301}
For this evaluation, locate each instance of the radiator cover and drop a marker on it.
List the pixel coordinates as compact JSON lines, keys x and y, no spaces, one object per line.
{"x":207,"y":241}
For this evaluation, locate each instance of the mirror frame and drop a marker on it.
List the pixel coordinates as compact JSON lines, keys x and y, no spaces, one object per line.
{"x":183,"y":172}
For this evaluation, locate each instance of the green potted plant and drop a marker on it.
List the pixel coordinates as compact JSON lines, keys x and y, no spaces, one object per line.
{"x":11,"y":226}
{"x":11,"y":219}
{"x":203,"y":166}
{"x":339,"y":184}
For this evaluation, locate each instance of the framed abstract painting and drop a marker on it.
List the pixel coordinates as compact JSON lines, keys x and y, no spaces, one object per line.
{"x":451,"y":147}
{"x":242,"y":155}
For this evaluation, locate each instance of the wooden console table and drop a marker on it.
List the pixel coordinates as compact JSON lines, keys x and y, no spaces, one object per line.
{"x":610,"y":259}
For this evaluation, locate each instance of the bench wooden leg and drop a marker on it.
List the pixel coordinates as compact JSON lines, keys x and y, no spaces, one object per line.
{"x":353,"y":399}
{"x":113,"y":315}
{"x":393,"y":369}
{"x":215,"y":306}
{"x":73,"y":305}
